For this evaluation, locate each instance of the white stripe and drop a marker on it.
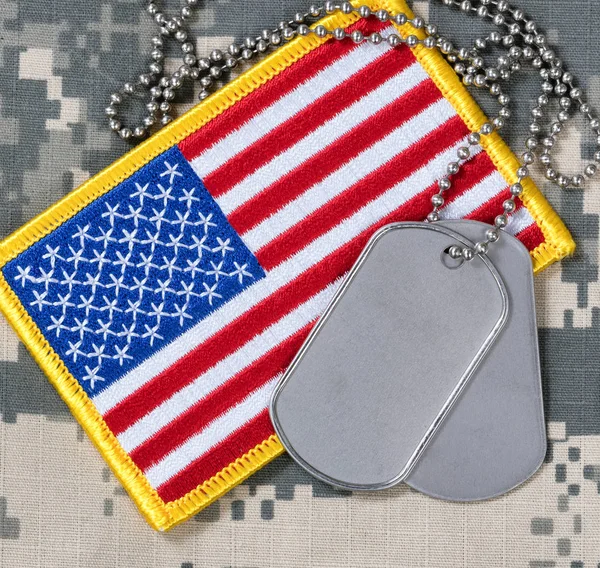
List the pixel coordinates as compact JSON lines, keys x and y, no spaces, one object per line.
{"x":228,"y":367}
{"x":283,"y":109}
{"x":479,"y":194}
{"x":217,"y":431}
{"x":519,"y":221}
{"x":320,"y":138}
{"x":222,"y":427}
{"x":275,"y":279}
{"x":350,"y":173}
{"x":488,"y":188}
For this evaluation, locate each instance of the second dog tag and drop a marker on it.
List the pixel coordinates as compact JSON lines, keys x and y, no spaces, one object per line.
{"x":495,"y":437}
{"x":389,"y":357}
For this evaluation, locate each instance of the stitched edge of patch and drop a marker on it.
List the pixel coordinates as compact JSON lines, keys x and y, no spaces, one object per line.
{"x":163,"y":515}
{"x":558,"y":241}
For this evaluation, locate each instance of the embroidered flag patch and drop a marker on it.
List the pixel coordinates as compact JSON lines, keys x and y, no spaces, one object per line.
{"x":165,"y":297}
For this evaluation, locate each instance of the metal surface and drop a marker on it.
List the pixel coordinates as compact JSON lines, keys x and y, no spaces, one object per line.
{"x":495,"y":437}
{"x":388,"y":358}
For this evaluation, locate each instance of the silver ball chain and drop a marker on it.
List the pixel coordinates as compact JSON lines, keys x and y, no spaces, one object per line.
{"x":518,"y":34}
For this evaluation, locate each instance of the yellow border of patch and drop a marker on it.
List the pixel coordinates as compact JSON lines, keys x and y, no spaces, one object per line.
{"x":164,"y":515}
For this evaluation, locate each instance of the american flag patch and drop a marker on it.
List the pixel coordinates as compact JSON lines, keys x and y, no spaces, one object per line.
{"x":172,"y":303}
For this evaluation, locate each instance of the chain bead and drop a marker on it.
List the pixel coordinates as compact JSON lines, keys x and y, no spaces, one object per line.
{"x":520,"y":36}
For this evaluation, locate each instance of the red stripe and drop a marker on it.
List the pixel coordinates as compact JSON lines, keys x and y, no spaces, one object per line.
{"x":254,"y":321}
{"x":333,"y":157}
{"x":361,"y":193}
{"x":488,"y":211}
{"x":277,"y":87}
{"x":260,"y":428}
{"x":212,"y":462}
{"x":251,"y":323}
{"x":247,"y":326}
{"x":310,"y":118}
{"x":219,"y":346}
{"x":531,"y":236}
{"x":219,"y":401}
{"x":239,"y":443}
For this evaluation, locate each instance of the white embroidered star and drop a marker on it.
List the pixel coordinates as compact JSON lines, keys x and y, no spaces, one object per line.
{"x":209,"y":291}
{"x":57,"y":324}
{"x":217,"y":270}
{"x":63,"y":302}
{"x":134,"y":309}
{"x":39,"y":301}
{"x":141,"y":192}
{"x":223,"y":246}
{"x":164,"y":194}
{"x":92,"y":376}
{"x":98,"y":353}
{"x":111,"y":306}
{"x":153,"y":239}
{"x":146,"y":262}
{"x":205,"y":221}
{"x":170,"y":265}
{"x":129,"y":238}
{"x":158,"y":218}
{"x":188,"y":197}
{"x":199,"y":245}
{"x":136,"y":215}
{"x":180,"y":313}
{"x":23,"y":275}
{"x":163,"y":287}
{"x":69,"y":279}
{"x":117,"y":283}
{"x":74,"y":350}
{"x":187,"y":291}
{"x":81,"y":326}
{"x":111,"y":213}
{"x":76,"y":257}
{"x":100,"y":258}
{"x":240,"y":272}
{"x":175,"y":243}
{"x":106,"y":237}
{"x":93,"y":281}
{"x":46,"y":278}
{"x":193,"y":267}
{"x":52,"y":254}
{"x":152,"y":333}
{"x":104,"y":329}
{"x":121,"y":354}
{"x":123,"y":261}
{"x":81,"y":233}
{"x":128,"y":332}
{"x":157,"y":311}
{"x":182,"y":219}
{"x":140,"y":286}
{"x":171,"y":171}
{"x":86,"y":303}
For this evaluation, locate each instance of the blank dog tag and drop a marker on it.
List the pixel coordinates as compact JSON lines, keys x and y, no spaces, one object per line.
{"x":388,"y":358}
{"x":494,"y":438}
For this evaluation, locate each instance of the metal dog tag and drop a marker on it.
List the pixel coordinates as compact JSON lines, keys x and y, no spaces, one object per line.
{"x":495,"y":437}
{"x":389,"y":357}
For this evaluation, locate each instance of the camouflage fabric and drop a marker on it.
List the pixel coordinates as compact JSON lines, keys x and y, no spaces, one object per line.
{"x":59,"y":504}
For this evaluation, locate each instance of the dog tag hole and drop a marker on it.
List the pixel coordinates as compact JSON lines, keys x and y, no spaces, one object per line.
{"x":449,"y":262}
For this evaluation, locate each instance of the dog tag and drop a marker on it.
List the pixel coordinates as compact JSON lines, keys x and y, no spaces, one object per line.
{"x":384,"y":364}
{"x":494,"y":438}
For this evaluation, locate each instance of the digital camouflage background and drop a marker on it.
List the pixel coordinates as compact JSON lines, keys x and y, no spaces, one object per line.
{"x":59,"y":504}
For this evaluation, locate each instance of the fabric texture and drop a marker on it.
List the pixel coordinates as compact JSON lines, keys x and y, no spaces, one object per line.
{"x":166,"y":358}
{"x":51,"y":116}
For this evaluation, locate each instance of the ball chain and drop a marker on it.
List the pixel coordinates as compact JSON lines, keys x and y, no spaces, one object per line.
{"x":207,"y":70}
{"x":519,"y":35}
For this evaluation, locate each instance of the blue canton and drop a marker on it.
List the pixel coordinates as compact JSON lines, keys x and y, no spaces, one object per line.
{"x":132,"y":271}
